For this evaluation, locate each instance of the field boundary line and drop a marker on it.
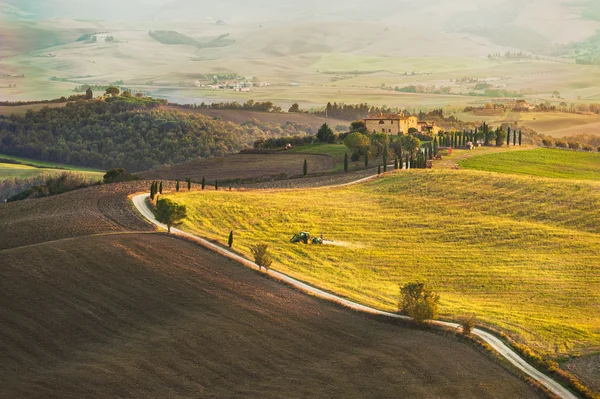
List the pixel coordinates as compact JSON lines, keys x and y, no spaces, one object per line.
{"x":496,"y":343}
{"x":116,"y":233}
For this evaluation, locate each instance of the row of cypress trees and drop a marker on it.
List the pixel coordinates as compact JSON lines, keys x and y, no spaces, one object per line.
{"x":458,"y":139}
{"x":157,"y":187}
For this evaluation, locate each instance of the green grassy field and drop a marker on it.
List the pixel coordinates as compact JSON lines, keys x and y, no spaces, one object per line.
{"x":520,"y":253}
{"x":31,"y":168}
{"x":542,"y":162}
{"x":44,"y":164}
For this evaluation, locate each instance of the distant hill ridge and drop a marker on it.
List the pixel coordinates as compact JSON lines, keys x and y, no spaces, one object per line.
{"x":171,"y":37}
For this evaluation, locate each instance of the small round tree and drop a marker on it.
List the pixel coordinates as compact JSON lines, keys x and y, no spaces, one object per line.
{"x":169,"y":212}
{"x":418,"y":301}
{"x":262,"y":258}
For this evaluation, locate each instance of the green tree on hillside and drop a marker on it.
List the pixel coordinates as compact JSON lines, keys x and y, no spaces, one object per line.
{"x":500,"y":137}
{"x":113,"y":91}
{"x":357,"y":142}
{"x":262,"y":258}
{"x":169,"y":212}
{"x":418,"y":301}
{"x":410,"y":143}
{"x":346,"y":162}
{"x":230,"y":239}
{"x":520,"y":137}
{"x":89,"y":94}
{"x":203,"y":183}
{"x":508,"y":137}
{"x":305,"y":168}
{"x":176,"y":185}
{"x":358,"y":126}
{"x":324,"y":133}
{"x":294,"y":108}
{"x":189,"y":183}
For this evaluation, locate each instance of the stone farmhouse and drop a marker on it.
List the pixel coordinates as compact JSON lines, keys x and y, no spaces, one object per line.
{"x":395,"y":124}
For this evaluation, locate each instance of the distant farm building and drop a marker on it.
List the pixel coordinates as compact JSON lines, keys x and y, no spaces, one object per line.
{"x":100,"y":37}
{"x":397,"y":123}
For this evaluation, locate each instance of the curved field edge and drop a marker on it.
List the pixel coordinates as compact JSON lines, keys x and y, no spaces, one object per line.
{"x":152,"y":316}
{"x":520,"y":254}
{"x":540,"y":162}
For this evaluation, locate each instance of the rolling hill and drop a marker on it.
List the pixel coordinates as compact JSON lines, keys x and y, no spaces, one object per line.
{"x":151,"y":316}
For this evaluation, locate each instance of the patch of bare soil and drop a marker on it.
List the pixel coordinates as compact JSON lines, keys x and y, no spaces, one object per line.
{"x":94,"y":210}
{"x":243,"y":166}
{"x":588,"y":369}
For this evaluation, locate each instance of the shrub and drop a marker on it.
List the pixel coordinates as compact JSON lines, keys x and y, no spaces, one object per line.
{"x":560,"y":144}
{"x":418,"y":301}
{"x":588,"y":147}
{"x":356,"y":156}
{"x":547,"y":142}
{"x":262,"y":258}
{"x":574,"y":145}
{"x":468,"y":324}
{"x":119,"y":175}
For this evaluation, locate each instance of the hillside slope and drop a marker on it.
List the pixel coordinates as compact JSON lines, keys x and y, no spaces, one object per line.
{"x":151,"y":316}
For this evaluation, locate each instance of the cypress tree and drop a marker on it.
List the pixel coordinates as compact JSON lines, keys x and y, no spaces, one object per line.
{"x":407,"y":162}
{"x":216,"y":185}
{"x":152,"y":191}
{"x":396,"y":164}
{"x":366,"y":160}
{"x":435,"y":146}
{"x":346,"y":163}
{"x":379,"y":169}
{"x":203,"y":182}
{"x":189,"y":183}
{"x":385,"y":151}
{"x":508,"y":137}
{"x":176,"y":186}
{"x":520,"y":137}
{"x":305,"y":168}
{"x":515,"y":138}
{"x":230,"y":240}
{"x":160,"y":189}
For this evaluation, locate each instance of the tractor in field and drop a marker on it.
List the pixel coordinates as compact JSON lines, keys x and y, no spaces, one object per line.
{"x":306,"y":238}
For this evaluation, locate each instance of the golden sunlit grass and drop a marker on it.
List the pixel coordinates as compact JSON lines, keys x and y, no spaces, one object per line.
{"x":544,"y":162}
{"x":520,"y":253}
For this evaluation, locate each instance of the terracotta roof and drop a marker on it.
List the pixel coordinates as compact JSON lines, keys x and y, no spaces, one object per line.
{"x":385,"y":117}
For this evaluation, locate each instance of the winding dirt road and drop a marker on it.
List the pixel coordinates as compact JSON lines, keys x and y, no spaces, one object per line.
{"x":140,"y":203}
